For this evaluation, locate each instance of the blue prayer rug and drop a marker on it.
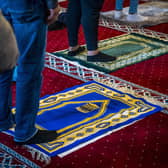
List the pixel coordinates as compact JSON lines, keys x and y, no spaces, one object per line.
{"x":86,"y":111}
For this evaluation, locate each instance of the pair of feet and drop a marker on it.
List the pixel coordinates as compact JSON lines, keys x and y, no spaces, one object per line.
{"x":99,"y":57}
{"x":130,"y":17}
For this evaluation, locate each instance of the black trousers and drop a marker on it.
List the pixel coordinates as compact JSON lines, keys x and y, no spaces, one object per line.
{"x":85,"y":12}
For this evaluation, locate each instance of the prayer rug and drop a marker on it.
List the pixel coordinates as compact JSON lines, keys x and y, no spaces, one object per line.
{"x":128,"y":48}
{"x":152,"y":13}
{"x":85,"y":112}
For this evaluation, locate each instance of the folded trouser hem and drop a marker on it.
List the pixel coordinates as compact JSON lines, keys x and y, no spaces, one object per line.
{"x":21,"y":140}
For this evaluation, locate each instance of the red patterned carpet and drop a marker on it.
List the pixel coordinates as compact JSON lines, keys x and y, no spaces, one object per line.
{"x":143,"y":144}
{"x":148,"y":71}
{"x":140,"y":145}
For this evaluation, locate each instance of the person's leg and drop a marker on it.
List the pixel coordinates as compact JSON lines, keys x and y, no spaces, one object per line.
{"x":90,"y":19}
{"x":30,"y":30}
{"x":133,"y":6}
{"x":119,"y":5}
{"x":133,"y":15}
{"x":73,"y":23}
{"x":6,"y":117}
{"x":118,"y":13}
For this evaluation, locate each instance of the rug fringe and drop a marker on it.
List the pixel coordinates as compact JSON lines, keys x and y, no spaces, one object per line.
{"x":128,"y":89}
{"x":38,"y":155}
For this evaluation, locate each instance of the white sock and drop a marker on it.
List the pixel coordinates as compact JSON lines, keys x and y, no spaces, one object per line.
{"x":135,"y":18}
{"x":118,"y":14}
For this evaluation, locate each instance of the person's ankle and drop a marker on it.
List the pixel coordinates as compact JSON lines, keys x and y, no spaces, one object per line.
{"x":92,"y":52}
{"x":77,"y":51}
{"x":74,"y":48}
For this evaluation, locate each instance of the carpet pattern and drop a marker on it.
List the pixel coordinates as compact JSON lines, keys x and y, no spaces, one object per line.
{"x":128,"y":49}
{"x":160,"y":34}
{"x":10,"y":158}
{"x":153,"y":13}
{"x":146,"y":140}
{"x":143,"y":144}
{"x":147,"y":70}
{"x":87,"y":111}
{"x":88,"y":74}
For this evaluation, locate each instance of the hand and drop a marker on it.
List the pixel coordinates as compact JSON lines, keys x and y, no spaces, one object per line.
{"x":53,"y":15}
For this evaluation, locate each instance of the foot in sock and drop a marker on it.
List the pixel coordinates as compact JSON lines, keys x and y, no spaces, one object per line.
{"x":135,"y":18}
{"x":42,"y":136}
{"x":76,"y":52}
{"x":118,"y":14}
{"x":100,"y":57}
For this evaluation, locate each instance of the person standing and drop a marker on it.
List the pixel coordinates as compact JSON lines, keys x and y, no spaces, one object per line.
{"x":85,"y":12}
{"x":29,"y":20}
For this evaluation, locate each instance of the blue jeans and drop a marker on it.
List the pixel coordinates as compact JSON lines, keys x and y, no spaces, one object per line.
{"x":133,"y":6}
{"x":27,"y":18}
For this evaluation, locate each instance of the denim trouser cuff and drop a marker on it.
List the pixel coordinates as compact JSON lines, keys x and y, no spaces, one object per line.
{"x":16,"y":139}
